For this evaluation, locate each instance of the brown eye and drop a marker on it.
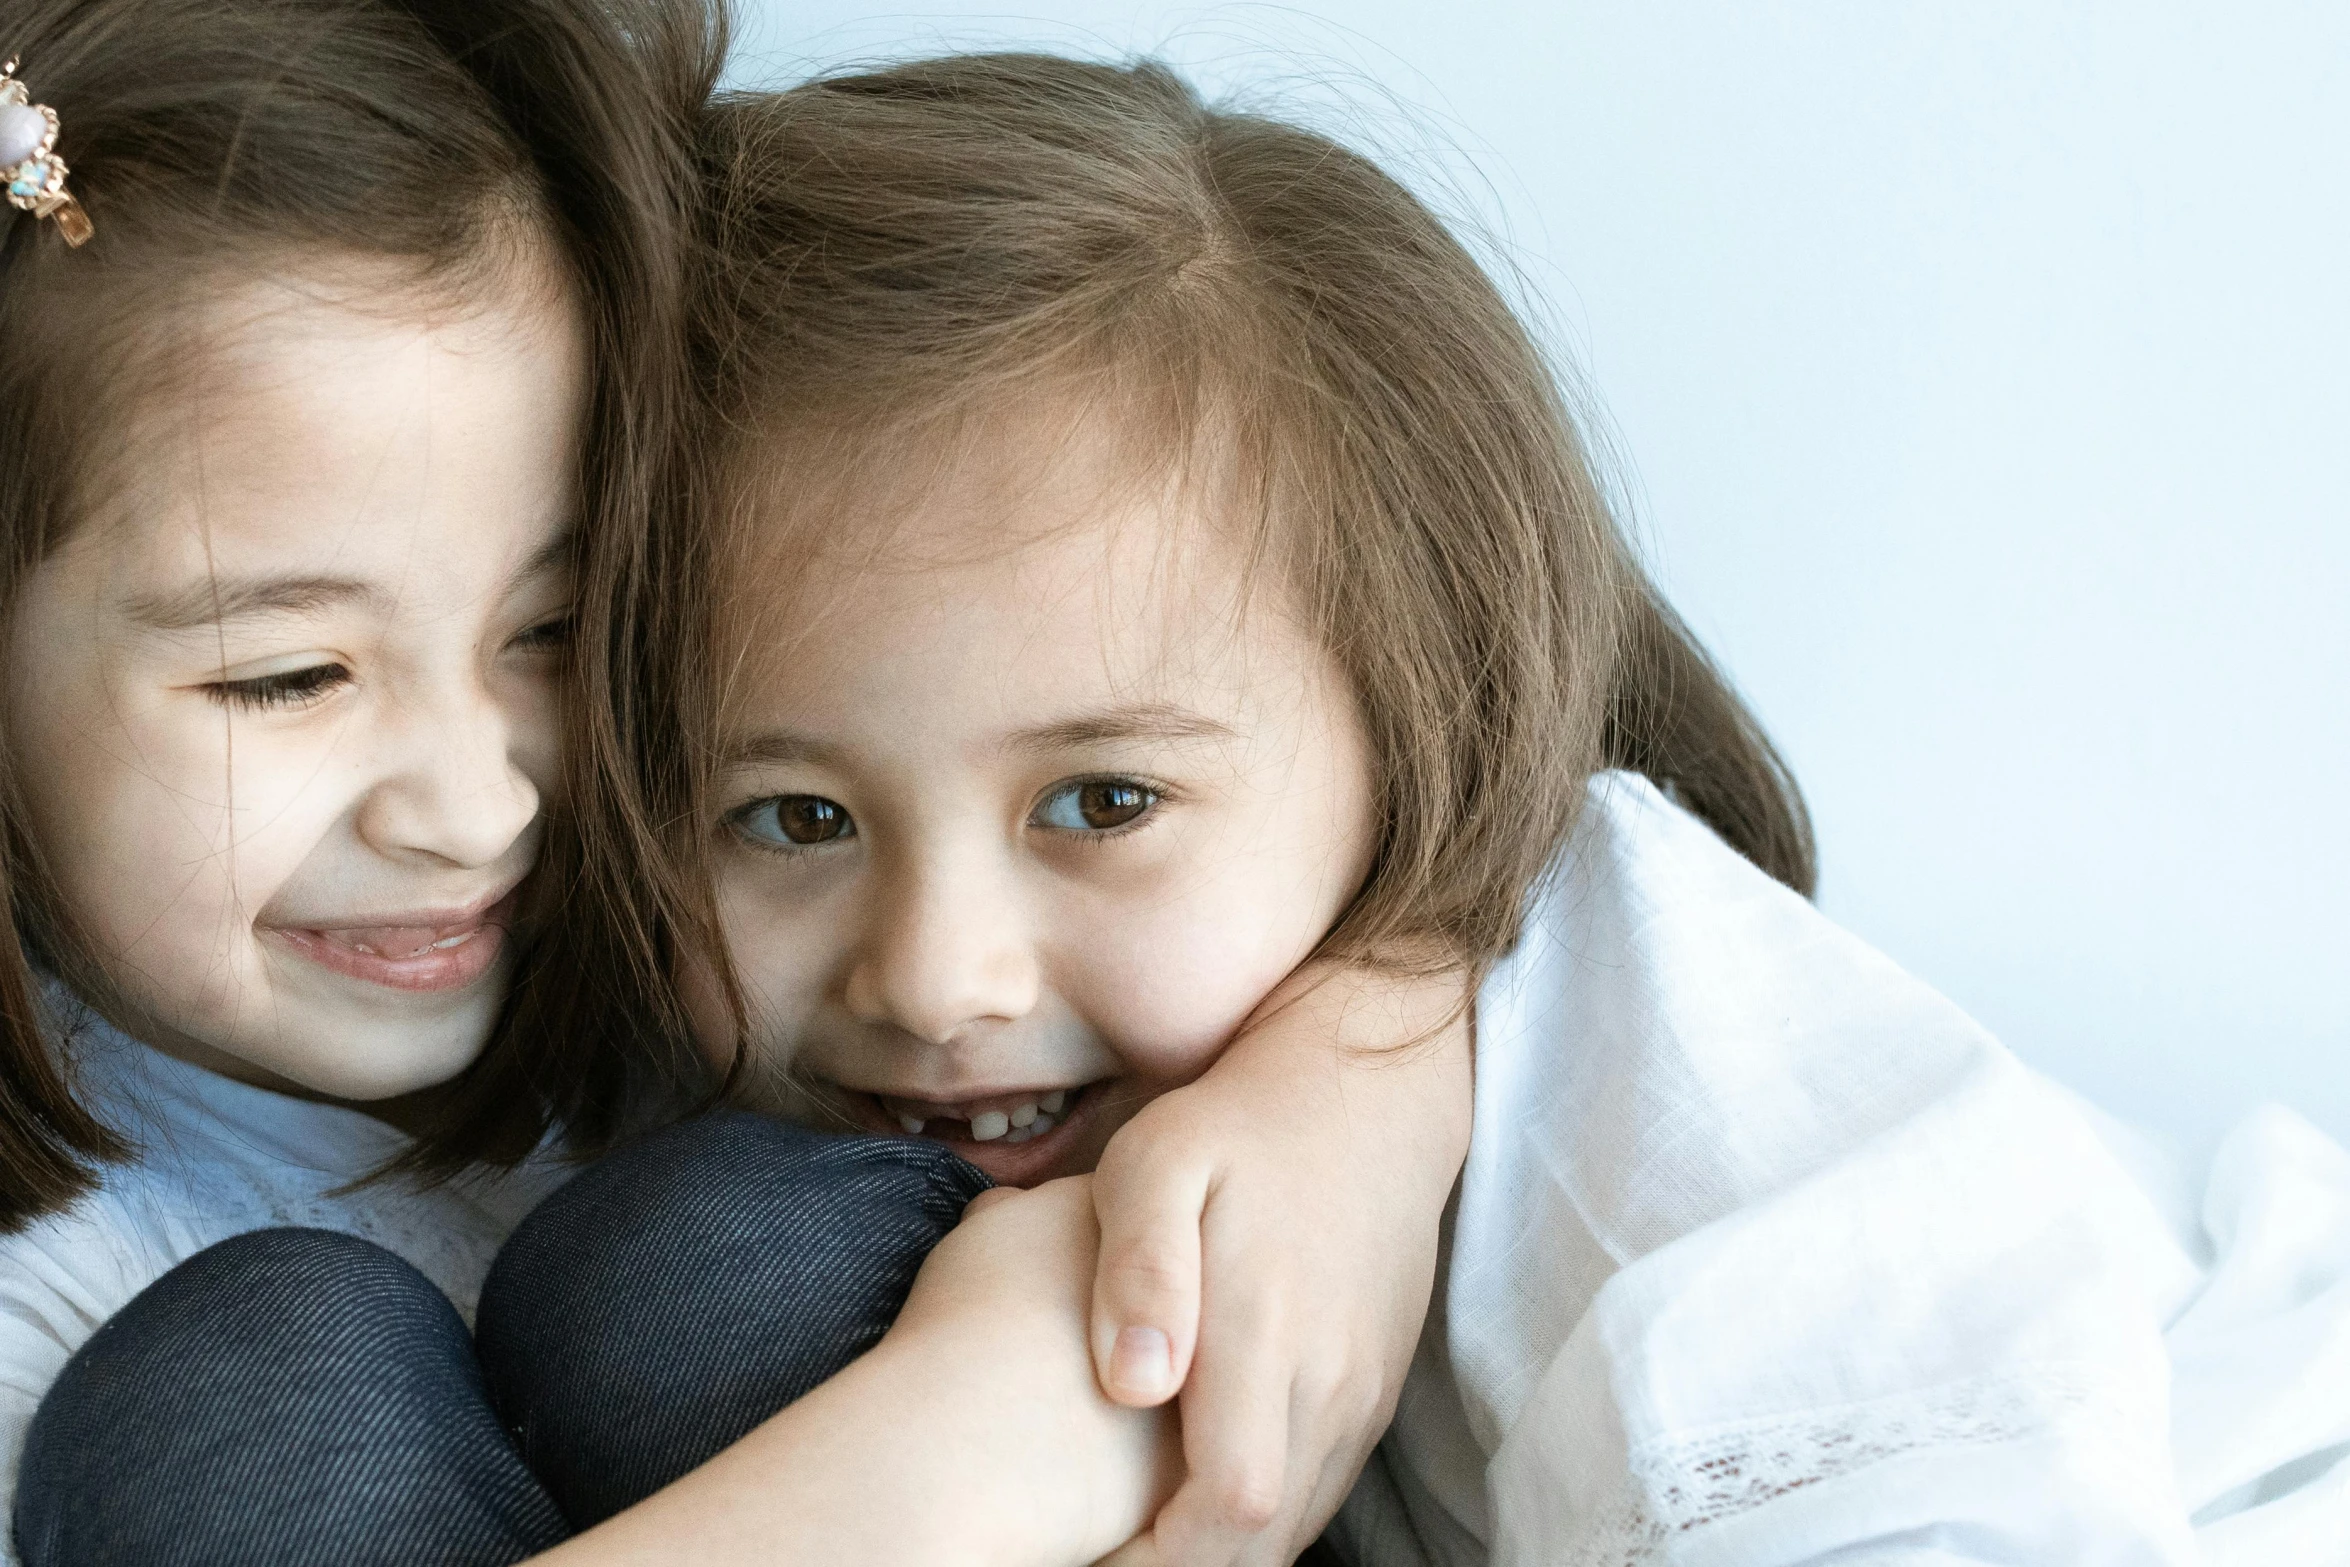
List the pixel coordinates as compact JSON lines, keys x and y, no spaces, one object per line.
{"x":1111,"y":804}
{"x":1095,"y":805}
{"x":798,"y":820}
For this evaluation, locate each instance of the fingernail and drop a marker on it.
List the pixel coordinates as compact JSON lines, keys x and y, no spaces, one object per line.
{"x":1142,"y":1362}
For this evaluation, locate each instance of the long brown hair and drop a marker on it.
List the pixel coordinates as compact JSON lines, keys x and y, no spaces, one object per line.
{"x":211,"y":138}
{"x":909,"y":244}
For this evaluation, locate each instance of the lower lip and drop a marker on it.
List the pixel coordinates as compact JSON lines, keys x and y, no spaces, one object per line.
{"x":440,"y":969}
{"x":1007,"y":1164}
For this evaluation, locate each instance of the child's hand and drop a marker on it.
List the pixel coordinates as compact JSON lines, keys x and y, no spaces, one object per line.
{"x":1281,"y":1213}
{"x":1051,"y":1473}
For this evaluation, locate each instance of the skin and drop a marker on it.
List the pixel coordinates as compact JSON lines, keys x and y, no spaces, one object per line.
{"x":1033,"y":797}
{"x":284,"y":706}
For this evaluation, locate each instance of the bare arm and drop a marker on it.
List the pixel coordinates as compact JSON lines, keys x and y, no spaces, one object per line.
{"x":973,"y":1433}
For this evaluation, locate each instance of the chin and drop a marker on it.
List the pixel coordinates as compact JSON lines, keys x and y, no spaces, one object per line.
{"x":371,"y":1060}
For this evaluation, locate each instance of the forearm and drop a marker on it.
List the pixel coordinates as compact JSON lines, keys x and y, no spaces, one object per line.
{"x":1391,"y":1053}
{"x":973,"y":1433}
{"x":915,"y":1460}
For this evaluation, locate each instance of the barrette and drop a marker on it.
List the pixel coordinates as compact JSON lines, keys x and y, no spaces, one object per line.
{"x":29,"y":161}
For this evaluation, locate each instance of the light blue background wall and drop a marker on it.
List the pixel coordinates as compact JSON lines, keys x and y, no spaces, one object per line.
{"x":1979,"y":378}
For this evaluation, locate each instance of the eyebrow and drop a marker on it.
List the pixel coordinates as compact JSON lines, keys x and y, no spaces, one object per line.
{"x":1146,"y":721}
{"x":214,"y":601}
{"x":781,"y":748}
{"x":1143,"y":721}
{"x":217,"y":600}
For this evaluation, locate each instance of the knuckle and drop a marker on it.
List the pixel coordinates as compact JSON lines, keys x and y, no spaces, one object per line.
{"x":1368,"y":1409}
{"x":1249,"y":1498}
{"x":1167,"y":1127}
{"x":1321,"y":1382}
{"x":1356,"y":1398}
{"x":1148,"y":1269}
{"x":1329,"y":1388}
{"x":1144,"y":1168}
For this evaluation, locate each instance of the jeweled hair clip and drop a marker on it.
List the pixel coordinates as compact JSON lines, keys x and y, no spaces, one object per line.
{"x":29,"y":161}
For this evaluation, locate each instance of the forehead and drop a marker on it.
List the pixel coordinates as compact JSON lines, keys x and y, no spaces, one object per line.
{"x":1052,"y":543}
{"x":299,"y":422}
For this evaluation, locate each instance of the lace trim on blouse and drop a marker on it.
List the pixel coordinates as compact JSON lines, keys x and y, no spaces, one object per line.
{"x":1688,"y":1481}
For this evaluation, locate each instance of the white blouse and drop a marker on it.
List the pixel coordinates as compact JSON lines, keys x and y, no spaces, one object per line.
{"x":1765,"y":1254}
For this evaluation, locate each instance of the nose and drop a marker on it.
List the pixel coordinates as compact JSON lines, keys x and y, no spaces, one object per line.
{"x":946,"y":952}
{"x":455,"y":791}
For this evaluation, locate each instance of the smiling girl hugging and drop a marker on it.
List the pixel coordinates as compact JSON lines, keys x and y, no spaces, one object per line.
{"x":1147,"y":564}
{"x":311,"y":420}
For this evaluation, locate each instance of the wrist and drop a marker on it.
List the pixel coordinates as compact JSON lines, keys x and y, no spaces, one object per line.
{"x":1033,"y":1466}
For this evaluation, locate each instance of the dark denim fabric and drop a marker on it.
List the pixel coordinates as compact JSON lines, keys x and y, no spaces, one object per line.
{"x":285,"y":1398}
{"x":292,"y":1397}
{"x":671,"y":1298}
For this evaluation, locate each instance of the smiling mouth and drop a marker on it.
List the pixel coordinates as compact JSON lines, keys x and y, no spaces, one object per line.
{"x":400,"y":942}
{"x":424,"y":953}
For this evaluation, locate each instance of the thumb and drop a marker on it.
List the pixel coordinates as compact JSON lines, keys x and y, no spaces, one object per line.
{"x":1146,"y":1287}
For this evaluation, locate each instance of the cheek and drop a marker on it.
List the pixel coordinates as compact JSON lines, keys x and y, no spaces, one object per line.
{"x":171,"y":829}
{"x":132,"y":813}
{"x":179,"y":864}
{"x":784,"y":944}
{"x":706,"y":1012}
{"x":1168,"y":979}
{"x":1172,"y":965}
{"x":168,"y":821}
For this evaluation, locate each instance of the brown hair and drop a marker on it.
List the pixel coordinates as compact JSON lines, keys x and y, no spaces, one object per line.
{"x":886,"y":247}
{"x":211,"y":138}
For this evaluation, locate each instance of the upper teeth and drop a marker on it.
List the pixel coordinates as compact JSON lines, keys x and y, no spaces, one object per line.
{"x":1029,"y":1118}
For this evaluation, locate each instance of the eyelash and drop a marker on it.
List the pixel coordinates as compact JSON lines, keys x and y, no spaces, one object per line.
{"x":1097,"y":837}
{"x":310,"y":684}
{"x":290,"y":688}
{"x":549,"y":636}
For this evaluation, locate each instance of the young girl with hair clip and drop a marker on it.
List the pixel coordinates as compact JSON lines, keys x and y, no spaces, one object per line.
{"x":1152,"y":561}
{"x":338,"y":374}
